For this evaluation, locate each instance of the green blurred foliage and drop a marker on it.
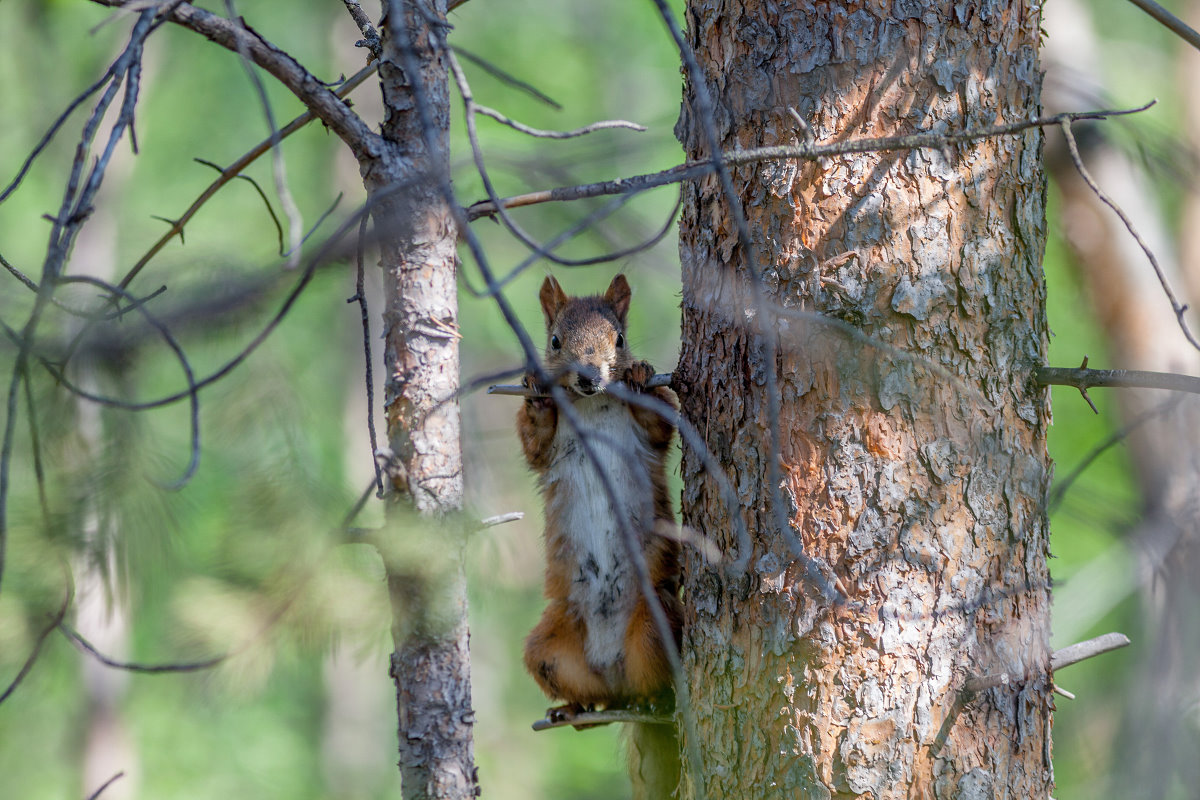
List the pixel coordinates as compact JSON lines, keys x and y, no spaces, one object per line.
{"x":247,"y":559}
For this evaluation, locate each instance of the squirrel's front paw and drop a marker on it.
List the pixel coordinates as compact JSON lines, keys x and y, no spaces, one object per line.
{"x":540,"y":400}
{"x":565,"y":712}
{"x":638,"y":375}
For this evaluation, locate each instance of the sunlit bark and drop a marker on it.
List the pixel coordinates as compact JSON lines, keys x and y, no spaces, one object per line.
{"x":916,"y":485}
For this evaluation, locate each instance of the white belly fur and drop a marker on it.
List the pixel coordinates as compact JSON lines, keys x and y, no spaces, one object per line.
{"x":604,"y":588}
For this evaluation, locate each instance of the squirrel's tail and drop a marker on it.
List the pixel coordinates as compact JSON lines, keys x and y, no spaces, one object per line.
{"x":653,"y":761}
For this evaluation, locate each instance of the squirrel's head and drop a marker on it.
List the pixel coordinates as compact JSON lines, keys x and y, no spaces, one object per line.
{"x":585,"y":336}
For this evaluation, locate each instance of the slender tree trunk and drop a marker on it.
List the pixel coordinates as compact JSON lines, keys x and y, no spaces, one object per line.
{"x":916,"y":485}
{"x":431,"y":665}
{"x":103,"y":613}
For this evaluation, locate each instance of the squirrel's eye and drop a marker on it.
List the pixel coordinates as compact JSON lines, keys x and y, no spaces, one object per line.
{"x":620,"y":340}
{"x":555,"y":343}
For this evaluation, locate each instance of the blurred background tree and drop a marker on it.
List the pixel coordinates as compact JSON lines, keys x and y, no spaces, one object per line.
{"x":246,"y":559}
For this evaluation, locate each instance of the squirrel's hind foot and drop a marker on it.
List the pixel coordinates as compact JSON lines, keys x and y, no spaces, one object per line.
{"x":568,"y":711}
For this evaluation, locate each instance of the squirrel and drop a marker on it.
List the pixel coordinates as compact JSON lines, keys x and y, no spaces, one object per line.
{"x":597,"y":643}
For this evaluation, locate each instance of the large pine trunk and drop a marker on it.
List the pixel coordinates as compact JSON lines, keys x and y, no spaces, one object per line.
{"x":916,"y":484}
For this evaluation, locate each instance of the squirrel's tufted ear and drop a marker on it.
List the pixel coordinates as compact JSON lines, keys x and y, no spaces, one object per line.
{"x":618,"y":295}
{"x":553,"y":299}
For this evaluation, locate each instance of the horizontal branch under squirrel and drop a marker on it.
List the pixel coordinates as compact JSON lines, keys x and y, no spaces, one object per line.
{"x":595,"y":718}
{"x":1064,"y":376}
{"x":517,"y":390}
{"x":1064,"y":657}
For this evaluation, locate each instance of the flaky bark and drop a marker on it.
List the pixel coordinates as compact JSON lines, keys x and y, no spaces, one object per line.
{"x":417,"y":238}
{"x":917,"y":491}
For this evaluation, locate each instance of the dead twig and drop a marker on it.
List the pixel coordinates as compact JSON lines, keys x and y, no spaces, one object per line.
{"x":538,"y":133}
{"x":505,"y":77}
{"x":1083,"y":378}
{"x":130,"y":666}
{"x":1176,"y":306}
{"x":692,"y":170}
{"x":1065,"y":657}
{"x":99,"y":791}
{"x":562,"y":719}
{"x":55,"y":621}
{"x":326,"y":105}
{"x":1064,"y":485}
{"x":517,"y":390}
{"x":370,"y":38}
{"x":1081,"y":651}
{"x":1172,"y":22}
{"x":500,"y":519}
{"x":278,"y":167}
{"x":76,"y":206}
{"x":235,"y":169}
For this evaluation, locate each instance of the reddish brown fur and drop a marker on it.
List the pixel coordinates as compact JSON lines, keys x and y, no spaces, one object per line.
{"x":587,"y":329}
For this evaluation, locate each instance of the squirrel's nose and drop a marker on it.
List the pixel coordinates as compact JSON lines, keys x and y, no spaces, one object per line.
{"x":588,"y":379}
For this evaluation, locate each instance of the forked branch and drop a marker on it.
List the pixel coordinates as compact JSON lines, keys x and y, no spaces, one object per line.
{"x":241,"y":38}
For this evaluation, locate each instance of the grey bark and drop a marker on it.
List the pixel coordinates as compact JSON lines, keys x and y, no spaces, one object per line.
{"x":921,"y":498}
{"x":417,"y":239}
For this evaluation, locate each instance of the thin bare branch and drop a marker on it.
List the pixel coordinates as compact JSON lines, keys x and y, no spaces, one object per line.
{"x":234,"y":170}
{"x":1081,"y":651}
{"x":538,"y":133}
{"x":54,"y":128}
{"x":327,"y":250}
{"x":605,"y":717}
{"x":262,"y":195}
{"x":278,"y":167}
{"x":1172,"y":22}
{"x":505,"y":77}
{"x":1063,"y":486}
{"x":100,"y":790}
{"x":470,"y":109}
{"x":73,"y":211}
{"x":327,"y":106}
{"x":360,"y":296}
{"x":55,"y":621}
{"x":692,"y":170}
{"x":131,"y":666}
{"x":517,"y":390}
{"x":582,"y":225}
{"x":1176,"y":306}
{"x":500,"y":519}
{"x":370,"y":38}
{"x":181,"y":356}
{"x":1059,"y":659}
{"x":35,"y":444}
{"x":118,"y":312}
{"x":1084,"y":378}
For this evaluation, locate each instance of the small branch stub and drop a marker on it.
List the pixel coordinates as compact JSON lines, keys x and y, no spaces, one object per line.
{"x":1083,"y":378}
{"x":1059,"y":659}
{"x":1085,"y":650}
